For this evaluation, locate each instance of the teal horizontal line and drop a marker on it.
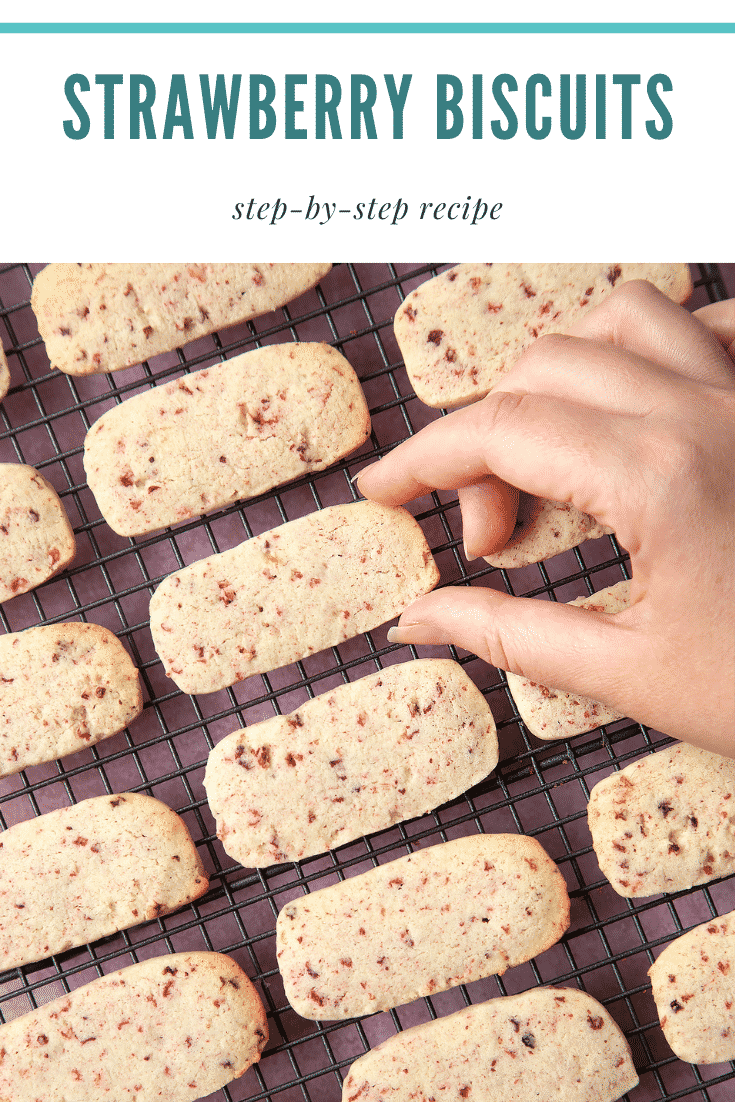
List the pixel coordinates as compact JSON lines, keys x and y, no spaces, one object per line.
{"x":367,"y":28}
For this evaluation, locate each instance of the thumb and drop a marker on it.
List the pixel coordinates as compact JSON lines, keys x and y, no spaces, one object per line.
{"x":558,"y":645}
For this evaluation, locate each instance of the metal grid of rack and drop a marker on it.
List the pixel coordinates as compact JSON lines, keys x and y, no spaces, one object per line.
{"x":540,"y":789}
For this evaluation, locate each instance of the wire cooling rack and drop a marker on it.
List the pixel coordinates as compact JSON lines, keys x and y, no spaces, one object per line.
{"x":539,"y":789}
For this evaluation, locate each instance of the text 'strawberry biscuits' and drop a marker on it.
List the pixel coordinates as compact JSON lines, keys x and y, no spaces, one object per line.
{"x":84,"y":872}
{"x":103,"y":317}
{"x":451,"y":914}
{"x":544,"y":529}
{"x":4,"y":374}
{"x":549,"y":1043}
{"x":36,"y":539}
{"x":554,"y":713}
{"x":693,"y":984}
{"x":461,"y":331}
{"x":222,"y":434}
{"x":666,"y":822}
{"x":177,"y":1027}
{"x":62,"y":687}
{"x":292,"y":591}
{"x":355,"y":760}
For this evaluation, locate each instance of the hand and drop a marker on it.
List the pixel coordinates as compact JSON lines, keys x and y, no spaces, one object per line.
{"x":630,"y":417}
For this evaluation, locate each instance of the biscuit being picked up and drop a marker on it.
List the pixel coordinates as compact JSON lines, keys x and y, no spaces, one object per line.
{"x":552,"y":713}
{"x":544,"y":529}
{"x":174,"y":1027}
{"x":461,"y":331}
{"x":548,"y":1043}
{"x":355,"y":760}
{"x":86,"y":871}
{"x":450,"y":914}
{"x":666,"y":822}
{"x":693,"y":984}
{"x":222,"y":434}
{"x":280,"y":596}
{"x":36,"y":538}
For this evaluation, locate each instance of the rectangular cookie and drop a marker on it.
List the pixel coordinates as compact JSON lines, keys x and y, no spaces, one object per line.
{"x":450,"y":914}
{"x":544,"y":529}
{"x":292,"y":591}
{"x":352,"y":761}
{"x":665,"y":822}
{"x":693,"y":984}
{"x":103,"y":317}
{"x":36,"y":538}
{"x":86,"y":871}
{"x":62,"y":687}
{"x":228,"y":432}
{"x":461,"y":331}
{"x":553,"y":713}
{"x":549,"y":1043}
{"x":177,"y":1027}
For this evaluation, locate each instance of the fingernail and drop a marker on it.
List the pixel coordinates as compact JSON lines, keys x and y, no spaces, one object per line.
{"x":364,"y":470}
{"x":467,"y":554}
{"x":424,"y":634}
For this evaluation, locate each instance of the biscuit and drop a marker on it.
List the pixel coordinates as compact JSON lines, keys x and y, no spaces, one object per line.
{"x":451,"y":914}
{"x":103,"y":317}
{"x":461,"y":331}
{"x":292,"y":591}
{"x":222,"y":434}
{"x":177,"y":1027}
{"x":547,"y":1043}
{"x":693,"y":984}
{"x":83,"y":872}
{"x":665,"y":822}
{"x":544,"y":529}
{"x":355,"y":760}
{"x":36,"y":538}
{"x":4,"y":374}
{"x":62,"y":687}
{"x":553,"y":713}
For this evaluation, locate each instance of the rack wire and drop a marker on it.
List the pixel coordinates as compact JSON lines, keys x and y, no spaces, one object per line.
{"x":540,"y":789}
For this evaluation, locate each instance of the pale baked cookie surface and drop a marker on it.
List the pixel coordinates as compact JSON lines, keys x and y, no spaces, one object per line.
{"x":103,"y":317}
{"x":554,"y":713}
{"x":36,"y":539}
{"x":544,"y":529}
{"x":177,"y":1027}
{"x":461,"y":331}
{"x":4,"y":374}
{"x":665,"y":822}
{"x":222,"y":434}
{"x":292,"y":591}
{"x":62,"y":687}
{"x":450,"y":914}
{"x":355,"y":760}
{"x":693,"y":984}
{"x":549,"y":1043}
{"x":83,"y":872}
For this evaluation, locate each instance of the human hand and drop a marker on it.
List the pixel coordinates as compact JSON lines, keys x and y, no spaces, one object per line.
{"x":631,"y":418}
